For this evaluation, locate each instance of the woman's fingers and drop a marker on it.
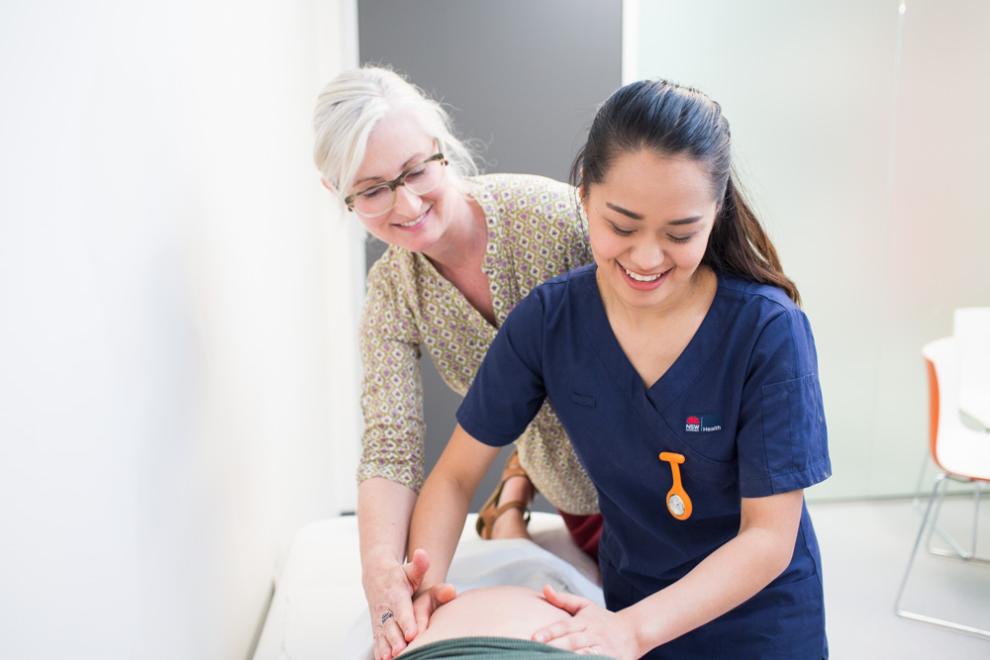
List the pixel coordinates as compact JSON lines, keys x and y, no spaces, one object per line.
{"x":416,"y":568}
{"x":443,"y":593}
{"x":396,"y":604}
{"x":422,"y":609}
{"x":389,"y":591}
{"x":575,"y":641}
{"x":393,"y":636}
{"x":427,"y":602}
{"x":398,"y":597}
{"x":557,"y":630}
{"x":568,"y":602}
{"x":406,"y":619}
{"x":382,"y":649}
{"x":397,"y":618}
{"x":591,"y":650}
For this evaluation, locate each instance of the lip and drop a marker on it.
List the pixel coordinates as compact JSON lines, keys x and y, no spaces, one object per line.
{"x":419,"y":225}
{"x":642,"y":286}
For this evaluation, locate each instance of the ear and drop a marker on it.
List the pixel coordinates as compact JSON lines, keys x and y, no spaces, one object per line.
{"x":582,"y":192}
{"x":326,"y":184}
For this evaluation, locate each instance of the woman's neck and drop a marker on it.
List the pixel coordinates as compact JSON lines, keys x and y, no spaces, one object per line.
{"x":699,"y":289}
{"x":462,"y":247}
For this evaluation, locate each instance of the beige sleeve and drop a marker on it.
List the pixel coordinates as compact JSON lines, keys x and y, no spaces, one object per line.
{"x":391,"y":391}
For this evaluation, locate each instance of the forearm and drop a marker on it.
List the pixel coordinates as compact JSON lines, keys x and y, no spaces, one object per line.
{"x":726,"y":578}
{"x":437,"y":522}
{"x":384,"y":509}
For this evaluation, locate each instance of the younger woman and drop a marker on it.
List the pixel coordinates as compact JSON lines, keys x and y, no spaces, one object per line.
{"x":685,"y":374}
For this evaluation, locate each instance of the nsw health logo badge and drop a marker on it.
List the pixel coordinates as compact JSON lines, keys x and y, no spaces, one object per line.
{"x":703,"y":423}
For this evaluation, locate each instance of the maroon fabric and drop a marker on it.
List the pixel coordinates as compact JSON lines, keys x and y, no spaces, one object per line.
{"x":586,"y":531}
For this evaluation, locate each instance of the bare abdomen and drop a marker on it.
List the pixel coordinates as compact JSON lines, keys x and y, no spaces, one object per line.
{"x":515,"y":612}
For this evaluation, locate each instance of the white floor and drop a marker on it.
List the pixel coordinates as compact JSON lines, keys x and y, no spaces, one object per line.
{"x":865,"y":548}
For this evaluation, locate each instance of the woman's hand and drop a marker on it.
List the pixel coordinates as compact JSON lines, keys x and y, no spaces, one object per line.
{"x":389,"y":587}
{"x":590,"y":630}
{"x":427,"y":602}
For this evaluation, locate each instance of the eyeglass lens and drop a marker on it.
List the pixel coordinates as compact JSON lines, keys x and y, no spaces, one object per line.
{"x":421,"y":179}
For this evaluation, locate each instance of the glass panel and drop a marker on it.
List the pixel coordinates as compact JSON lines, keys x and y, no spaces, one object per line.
{"x":859,"y":130}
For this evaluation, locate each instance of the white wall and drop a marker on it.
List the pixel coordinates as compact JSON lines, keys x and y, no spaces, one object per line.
{"x":860,"y":132}
{"x":178,"y":300}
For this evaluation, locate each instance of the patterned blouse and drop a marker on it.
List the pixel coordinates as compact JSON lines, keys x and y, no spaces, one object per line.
{"x":534,"y":233}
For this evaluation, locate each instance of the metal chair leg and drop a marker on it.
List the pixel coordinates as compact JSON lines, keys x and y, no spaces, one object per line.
{"x":925,"y":459}
{"x":956,"y":550}
{"x":939,"y":480}
{"x":938,"y":493}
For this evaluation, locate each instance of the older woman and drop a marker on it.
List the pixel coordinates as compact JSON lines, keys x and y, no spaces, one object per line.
{"x":463,"y":250}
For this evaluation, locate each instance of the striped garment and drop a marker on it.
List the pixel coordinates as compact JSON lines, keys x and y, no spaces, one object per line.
{"x":504,"y":648}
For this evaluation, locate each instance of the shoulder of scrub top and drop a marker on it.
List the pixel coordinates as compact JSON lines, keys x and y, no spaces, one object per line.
{"x":537,"y":309}
{"x":774,"y":296}
{"x":784,"y":334}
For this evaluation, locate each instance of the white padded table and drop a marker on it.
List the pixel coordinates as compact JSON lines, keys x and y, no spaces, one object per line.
{"x":318,"y":598}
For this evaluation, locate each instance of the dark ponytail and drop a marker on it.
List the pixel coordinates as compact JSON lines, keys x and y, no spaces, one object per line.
{"x":676,"y":120}
{"x":739,"y":245}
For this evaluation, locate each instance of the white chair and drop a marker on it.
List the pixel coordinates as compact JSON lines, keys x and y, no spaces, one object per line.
{"x":972,"y":335}
{"x":971,"y":332}
{"x":961,"y":451}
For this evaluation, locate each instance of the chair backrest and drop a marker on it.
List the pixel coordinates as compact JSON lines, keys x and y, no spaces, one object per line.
{"x":971,"y":330}
{"x":956,"y":448}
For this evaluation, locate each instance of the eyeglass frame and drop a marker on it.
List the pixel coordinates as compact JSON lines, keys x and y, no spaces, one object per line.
{"x":393,"y":185}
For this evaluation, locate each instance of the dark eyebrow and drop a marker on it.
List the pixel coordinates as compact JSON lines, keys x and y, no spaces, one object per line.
{"x":406,"y":164}
{"x":637,"y":216}
{"x":685,"y":221}
{"x":626,"y":212}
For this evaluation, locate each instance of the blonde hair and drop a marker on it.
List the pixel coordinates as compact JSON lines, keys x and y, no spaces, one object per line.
{"x":348,"y":108}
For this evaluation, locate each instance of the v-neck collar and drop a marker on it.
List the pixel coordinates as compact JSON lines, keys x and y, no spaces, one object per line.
{"x":452,"y":294}
{"x":685,"y":368}
{"x":490,"y":264}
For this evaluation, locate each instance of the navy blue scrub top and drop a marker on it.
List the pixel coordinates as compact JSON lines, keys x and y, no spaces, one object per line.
{"x":742,"y":404}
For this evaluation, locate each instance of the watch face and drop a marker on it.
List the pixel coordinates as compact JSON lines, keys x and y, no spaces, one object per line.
{"x":676,"y":505}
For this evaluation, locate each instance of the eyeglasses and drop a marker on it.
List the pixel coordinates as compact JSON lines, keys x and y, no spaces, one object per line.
{"x":379,"y":199}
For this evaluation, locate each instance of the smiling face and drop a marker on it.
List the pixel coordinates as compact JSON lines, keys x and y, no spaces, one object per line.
{"x":649,"y":223}
{"x":416,"y":222}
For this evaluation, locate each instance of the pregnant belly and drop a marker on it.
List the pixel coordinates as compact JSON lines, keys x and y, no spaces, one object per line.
{"x":515,"y":612}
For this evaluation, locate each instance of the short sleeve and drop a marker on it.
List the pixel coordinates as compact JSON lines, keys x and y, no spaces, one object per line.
{"x":782,"y":441}
{"x":508,"y":389}
{"x":391,"y":387}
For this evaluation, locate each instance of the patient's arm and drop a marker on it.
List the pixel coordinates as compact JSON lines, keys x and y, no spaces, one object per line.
{"x":515,"y":612}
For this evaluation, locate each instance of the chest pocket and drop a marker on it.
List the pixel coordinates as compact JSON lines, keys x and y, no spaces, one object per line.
{"x":712,"y":484}
{"x":711,"y":436}
{"x":583,"y":400}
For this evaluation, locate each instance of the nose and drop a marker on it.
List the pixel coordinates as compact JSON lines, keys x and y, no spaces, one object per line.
{"x":646,"y":257}
{"x":407,"y":203}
